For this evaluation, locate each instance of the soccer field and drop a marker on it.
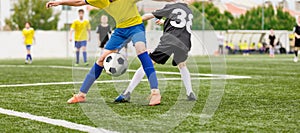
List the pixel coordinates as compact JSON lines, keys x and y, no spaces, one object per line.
{"x":265,"y":97}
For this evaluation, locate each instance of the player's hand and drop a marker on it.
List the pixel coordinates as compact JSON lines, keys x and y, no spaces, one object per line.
{"x":70,"y":39}
{"x":159,"y":21}
{"x":52,"y":4}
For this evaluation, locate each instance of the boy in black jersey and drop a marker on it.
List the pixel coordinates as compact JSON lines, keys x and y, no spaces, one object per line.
{"x":103,"y":30}
{"x":297,"y":39}
{"x":176,"y":39}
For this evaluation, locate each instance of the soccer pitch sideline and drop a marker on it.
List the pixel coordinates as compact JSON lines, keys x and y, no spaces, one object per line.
{"x":33,"y":97}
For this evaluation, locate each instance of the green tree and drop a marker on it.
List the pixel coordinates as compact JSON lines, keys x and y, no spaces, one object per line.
{"x":212,"y":17}
{"x":34,"y":11}
{"x":252,"y":20}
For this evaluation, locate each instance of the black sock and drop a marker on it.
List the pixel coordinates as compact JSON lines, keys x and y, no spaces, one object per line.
{"x":296,"y":53}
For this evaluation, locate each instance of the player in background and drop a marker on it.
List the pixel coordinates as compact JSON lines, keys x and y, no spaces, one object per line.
{"x":82,"y":29}
{"x":297,"y":39}
{"x":272,"y":38}
{"x":28,"y":36}
{"x":103,"y":30}
{"x":221,"y":39}
{"x":129,"y":25}
{"x":176,"y":39}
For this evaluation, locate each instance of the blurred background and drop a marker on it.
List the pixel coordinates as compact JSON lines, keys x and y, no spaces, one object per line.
{"x":244,"y":22}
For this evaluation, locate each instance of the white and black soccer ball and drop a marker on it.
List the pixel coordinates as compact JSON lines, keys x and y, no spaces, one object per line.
{"x":115,"y":64}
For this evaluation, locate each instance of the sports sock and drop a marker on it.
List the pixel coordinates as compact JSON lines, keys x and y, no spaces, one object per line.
{"x":296,"y":53}
{"x":84,"y":56}
{"x":186,"y":78}
{"x":136,"y":79}
{"x":271,"y":51}
{"x":30,"y":56}
{"x":27,"y":57}
{"x":77,"y":57}
{"x":149,"y":69}
{"x":90,"y":78}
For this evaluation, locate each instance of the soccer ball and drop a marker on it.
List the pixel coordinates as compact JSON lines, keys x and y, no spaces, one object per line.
{"x":115,"y":64}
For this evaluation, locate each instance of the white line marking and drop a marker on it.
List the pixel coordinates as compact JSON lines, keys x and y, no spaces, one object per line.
{"x":112,"y":81}
{"x":129,"y":70}
{"x":56,"y":122}
{"x":207,"y":76}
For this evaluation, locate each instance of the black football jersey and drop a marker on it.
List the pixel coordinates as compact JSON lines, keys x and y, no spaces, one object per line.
{"x":103,"y":32}
{"x":297,"y":30}
{"x":177,"y":26}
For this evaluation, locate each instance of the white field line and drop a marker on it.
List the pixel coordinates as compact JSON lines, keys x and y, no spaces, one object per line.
{"x":56,"y":122}
{"x":112,"y":81}
{"x":129,"y":70}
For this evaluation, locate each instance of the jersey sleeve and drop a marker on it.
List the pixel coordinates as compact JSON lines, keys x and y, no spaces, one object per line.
{"x":294,"y":29}
{"x":98,"y":3}
{"x":88,"y":25}
{"x":164,"y":12}
{"x":32,"y":32}
{"x":97,"y":29}
{"x":23,"y":32}
{"x":73,"y":25}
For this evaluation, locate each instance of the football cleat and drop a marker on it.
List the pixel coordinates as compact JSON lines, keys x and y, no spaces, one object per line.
{"x":86,"y":64}
{"x":123,"y":98}
{"x":76,"y":99}
{"x":295,"y":59}
{"x":191,"y":97}
{"x":76,"y":64}
{"x":154,"y":97}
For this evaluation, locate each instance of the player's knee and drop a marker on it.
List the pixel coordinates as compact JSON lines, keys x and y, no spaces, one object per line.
{"x":181,"y":65}
{"x":140,"y":47}
{"x":100,"y":60}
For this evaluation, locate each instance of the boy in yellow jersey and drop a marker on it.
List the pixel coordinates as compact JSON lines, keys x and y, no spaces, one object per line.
{"x":28,"y":34}
{"x":82,"y":28}
{"x":129,"y":27}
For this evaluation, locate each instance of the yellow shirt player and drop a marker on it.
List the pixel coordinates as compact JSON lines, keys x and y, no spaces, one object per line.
{"x":28,"y":34}
{"x":129,"y":27}
{"x":82,"y":29}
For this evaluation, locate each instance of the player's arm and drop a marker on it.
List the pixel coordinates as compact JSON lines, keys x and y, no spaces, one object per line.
{"x":89,"y":30}
{"x":71,"y":34}
{"x":147,"y":16}
{"x":66,"y":2}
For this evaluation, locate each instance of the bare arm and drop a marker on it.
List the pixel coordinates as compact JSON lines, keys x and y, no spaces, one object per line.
{"x":66,"y":2}
{"x":89,"y":31}
{"x":70,"y":35}
{"x":147,"y":16}
{"x":297,"y":36}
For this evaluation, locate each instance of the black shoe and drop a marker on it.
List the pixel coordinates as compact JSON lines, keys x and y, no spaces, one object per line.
{"x":191,"y":97}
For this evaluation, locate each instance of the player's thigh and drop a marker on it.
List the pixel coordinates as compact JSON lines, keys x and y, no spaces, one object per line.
{"x":179,"y":56}
{"x":115,"y":41}
{"x":138,"y":38}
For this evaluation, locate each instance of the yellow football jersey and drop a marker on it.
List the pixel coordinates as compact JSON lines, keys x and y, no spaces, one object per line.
{"x":28,"y":36}
{"x":125,"y":12}
{"x":81,"y":29}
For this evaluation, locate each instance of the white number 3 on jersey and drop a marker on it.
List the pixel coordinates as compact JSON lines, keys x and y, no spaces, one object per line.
{"x":181,"y":15}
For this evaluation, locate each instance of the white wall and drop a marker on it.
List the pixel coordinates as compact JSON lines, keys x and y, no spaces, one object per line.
{"x":55,"y":44}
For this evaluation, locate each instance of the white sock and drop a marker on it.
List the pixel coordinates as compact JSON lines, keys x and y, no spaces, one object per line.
{"x":186,"y":78}
{"x":136,"y":79}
